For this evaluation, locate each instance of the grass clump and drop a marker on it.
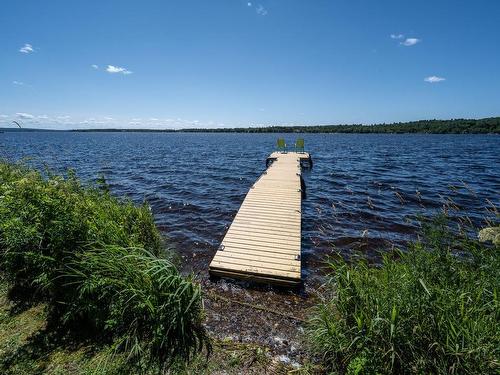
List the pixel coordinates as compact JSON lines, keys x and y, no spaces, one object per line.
{"x":432,"y":309}
{"x":97,"y":263}
{"x":149,"y":306}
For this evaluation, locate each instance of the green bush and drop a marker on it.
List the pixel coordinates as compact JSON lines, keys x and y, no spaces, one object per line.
{"x":45,"y":220}
{"x":98,"y":263}
{"x":432,"y":309}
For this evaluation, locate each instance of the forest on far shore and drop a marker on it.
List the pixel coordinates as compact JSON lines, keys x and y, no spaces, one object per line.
{"x":456,"y":126}
{"x":490,"y":125}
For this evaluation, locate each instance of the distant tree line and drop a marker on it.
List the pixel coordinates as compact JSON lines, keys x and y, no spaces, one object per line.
{"x":455,"y":126}
{"x":489,"y":125}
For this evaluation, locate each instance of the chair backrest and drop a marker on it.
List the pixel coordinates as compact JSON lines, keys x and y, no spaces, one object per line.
{"x":281,"y":144}
{"x":299,"y":144}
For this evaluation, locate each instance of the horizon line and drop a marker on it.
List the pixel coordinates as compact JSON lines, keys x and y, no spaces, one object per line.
{"x":232,"y":129}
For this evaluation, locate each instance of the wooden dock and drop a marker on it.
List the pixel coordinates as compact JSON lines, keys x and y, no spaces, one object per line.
{"x":263,"y":243}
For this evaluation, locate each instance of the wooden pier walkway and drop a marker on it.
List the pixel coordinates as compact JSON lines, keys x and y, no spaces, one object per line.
{"x":263,"y":242}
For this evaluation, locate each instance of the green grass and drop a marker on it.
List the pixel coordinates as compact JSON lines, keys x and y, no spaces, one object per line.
{"x":432,"y":309}
{"x":27,"y":347}
{"x":151,"y":309}
{"x":98,"y":265}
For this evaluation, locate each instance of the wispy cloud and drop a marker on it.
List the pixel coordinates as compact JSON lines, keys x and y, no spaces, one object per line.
{"x":434,"y":79}
{"x":95,"y":66}
{"x":25,"y":116}
{"x":408,"y":42}
{"x":117,"y":69}
{"x":60,"y":121}
{"x":21,"y":84}
{"x":261,"y":11}
{"x":249,"y":4}
{"x":397,"y":36}
{"x":93,"y":121}
{"x":27,"y":48}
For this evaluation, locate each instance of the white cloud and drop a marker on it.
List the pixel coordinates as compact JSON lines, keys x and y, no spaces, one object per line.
{"x":95,"y":66}
{"x":397,"y":36}
{"x":249,"y":4}
{"x":27,"y":48}
{"x":261,"y":11}
{"x":117,"y":69}
{"x":59,"y":121}
{"x":25,"y":116}
{"x":434,"y":79}
{"x":18,"y":83}
{"x":410,"y":42}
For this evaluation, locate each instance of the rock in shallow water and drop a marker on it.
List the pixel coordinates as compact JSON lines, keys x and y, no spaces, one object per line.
{"x":490,"y":234}
{"x":284,"y":359}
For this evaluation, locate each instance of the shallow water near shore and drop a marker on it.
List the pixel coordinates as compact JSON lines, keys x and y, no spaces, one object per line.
{"x":363,"y":193}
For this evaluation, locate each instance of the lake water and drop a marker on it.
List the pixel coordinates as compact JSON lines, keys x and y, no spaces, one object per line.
{"x":362,"y":194}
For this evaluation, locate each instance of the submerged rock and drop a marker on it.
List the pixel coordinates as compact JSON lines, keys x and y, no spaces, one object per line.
{"x":284,"y":359}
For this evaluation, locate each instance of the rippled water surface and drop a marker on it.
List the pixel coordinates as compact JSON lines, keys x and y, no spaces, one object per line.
{"x":362,"y":194}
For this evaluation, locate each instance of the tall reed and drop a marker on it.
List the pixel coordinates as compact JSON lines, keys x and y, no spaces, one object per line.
{"x":432,"y":309}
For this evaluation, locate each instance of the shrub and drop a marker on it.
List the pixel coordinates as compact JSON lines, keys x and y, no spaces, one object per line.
{"x":432,"y":309}
{"x":98,"y":263}
{"x":44,"y":221}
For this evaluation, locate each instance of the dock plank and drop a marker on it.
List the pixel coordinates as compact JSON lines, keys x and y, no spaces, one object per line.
{"x":263,"y":243}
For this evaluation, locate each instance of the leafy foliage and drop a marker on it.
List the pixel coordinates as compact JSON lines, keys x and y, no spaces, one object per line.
{"x":434,"y":309}
{"x":456,"y":126}
{"x":98,"y":263}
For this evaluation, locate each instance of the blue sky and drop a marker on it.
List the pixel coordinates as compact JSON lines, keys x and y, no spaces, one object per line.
{"x":211,"y":63}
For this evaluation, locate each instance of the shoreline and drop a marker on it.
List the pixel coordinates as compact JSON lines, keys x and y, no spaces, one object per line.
{"x":489,"y":125}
